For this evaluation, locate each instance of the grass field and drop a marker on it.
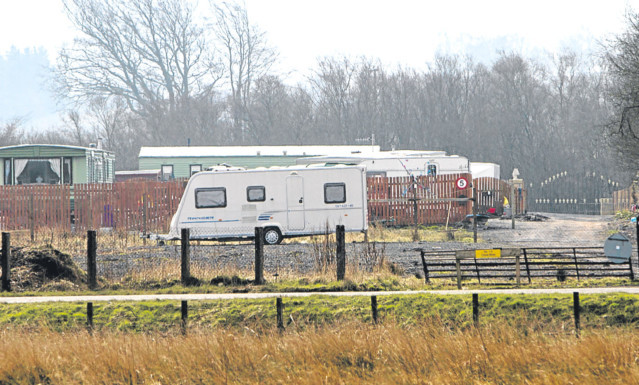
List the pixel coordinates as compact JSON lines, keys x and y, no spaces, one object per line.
{"x":346,"y":353}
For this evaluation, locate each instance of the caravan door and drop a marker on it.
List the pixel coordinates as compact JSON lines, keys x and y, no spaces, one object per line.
{"x":295,"y":202}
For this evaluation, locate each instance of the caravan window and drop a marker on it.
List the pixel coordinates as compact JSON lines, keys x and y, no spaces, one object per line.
{"x":255,"y":194}
{"x":206,"y":198}
{"x":334,"y":193}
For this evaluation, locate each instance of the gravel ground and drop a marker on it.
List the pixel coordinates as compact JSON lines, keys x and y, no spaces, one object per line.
{"x":557,"y":230}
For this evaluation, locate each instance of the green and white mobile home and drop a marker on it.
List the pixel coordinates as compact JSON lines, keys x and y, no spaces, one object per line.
{"x":55,"y":164}
{"x":184,"y":161}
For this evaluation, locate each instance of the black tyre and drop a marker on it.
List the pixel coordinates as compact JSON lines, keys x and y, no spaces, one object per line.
{"x":272,"y":236}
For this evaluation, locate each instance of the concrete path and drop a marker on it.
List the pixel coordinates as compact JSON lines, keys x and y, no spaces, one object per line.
{"x":202,"y":297}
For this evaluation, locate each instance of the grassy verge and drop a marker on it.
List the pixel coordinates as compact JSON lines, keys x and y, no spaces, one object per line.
{"x":523,"y":311}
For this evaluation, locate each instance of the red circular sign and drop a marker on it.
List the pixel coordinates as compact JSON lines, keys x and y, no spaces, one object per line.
{"x":461,"y":183}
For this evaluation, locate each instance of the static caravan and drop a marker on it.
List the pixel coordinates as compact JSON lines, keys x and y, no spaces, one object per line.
{"x":399,"y":163}
{"x":285,"y":201}
{"x":485,"y":170}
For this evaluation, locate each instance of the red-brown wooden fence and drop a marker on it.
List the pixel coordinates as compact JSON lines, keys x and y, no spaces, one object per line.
{"x":148,"y":206}
{"x":31,"y":207}
{"x":145,"y":206}
{"x":400,"y":201}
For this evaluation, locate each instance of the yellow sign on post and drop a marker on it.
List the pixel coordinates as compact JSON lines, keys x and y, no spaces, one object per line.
{"x":491,"y":253}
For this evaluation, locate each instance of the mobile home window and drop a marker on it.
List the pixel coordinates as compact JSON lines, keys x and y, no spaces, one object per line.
{"x":194,"y":168}
{"x":67,"y":171}
{"x":37,"y":171}
{"x":167,"y":172}
{"x":206,"y":198}
{"x":334,"y":193}
{"x":255,"y":194}
{"x":432,"y":170}
{"x":8,"y":177}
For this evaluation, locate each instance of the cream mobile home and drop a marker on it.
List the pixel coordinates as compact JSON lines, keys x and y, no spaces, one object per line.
{"x":399,"y":163}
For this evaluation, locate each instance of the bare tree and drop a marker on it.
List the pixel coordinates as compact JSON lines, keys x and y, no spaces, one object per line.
{"x":333,"y":84}
{"x":621,"y":58}
{"x":152,"y":54}
{"x":247,"y":57}
{"x":73,"y":128}
{"x":11,"y":133}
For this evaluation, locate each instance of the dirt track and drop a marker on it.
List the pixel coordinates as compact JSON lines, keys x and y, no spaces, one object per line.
{"x":557,"y":230}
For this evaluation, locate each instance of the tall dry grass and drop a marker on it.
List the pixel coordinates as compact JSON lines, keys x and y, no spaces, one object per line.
{"x":75,"y":243}
{"x":352,"y":353}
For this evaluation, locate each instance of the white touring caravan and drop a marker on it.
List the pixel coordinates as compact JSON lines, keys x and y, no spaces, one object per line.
{"x":285,"y":201}
{"x":399,"y":163}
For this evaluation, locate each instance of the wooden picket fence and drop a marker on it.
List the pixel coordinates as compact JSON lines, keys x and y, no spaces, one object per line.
{"x":29,"y":207}
{"x":148,"y":206}
{"x":427,"y":200}
{"x":145,"y":206}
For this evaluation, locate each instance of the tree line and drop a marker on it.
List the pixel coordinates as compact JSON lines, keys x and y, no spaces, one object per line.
{"x":154,"y":72}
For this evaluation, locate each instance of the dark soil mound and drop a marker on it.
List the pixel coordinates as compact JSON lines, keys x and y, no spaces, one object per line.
{"x":43,"y":268}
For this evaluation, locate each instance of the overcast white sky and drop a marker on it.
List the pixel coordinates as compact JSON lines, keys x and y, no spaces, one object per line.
{"x":406,"y":32}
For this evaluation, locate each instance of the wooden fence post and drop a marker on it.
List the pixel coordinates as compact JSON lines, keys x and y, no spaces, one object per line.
{"x":576,"y":310}
{"x":341,"y":252}
{"x":185,"y":263}
{"x":374,"y":307}
{"x":90,"y":317}
{"x":6,"y":262}
{"x":185,"y":316}
{"x":518,"y":269}
{"x":92,"y":246}
{"x":259,"y":255}
{"x":280,"y":319}
{"x":476,"y":309}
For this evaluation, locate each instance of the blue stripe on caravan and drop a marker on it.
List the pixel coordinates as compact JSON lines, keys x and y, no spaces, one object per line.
{"x":230,"y":220}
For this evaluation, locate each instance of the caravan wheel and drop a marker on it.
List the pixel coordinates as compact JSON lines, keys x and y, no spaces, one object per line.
{"x":272,"y":236}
